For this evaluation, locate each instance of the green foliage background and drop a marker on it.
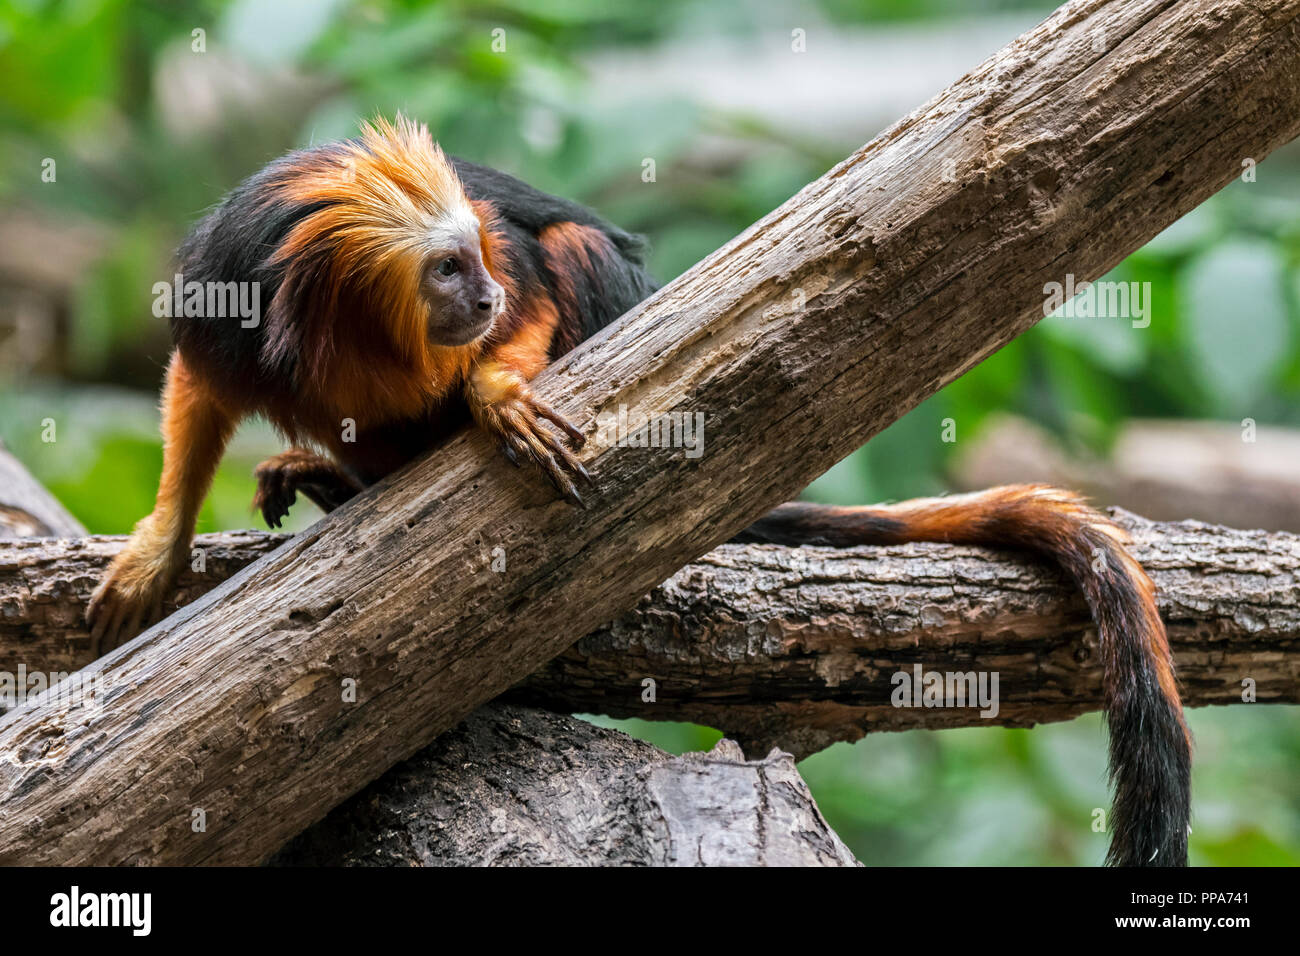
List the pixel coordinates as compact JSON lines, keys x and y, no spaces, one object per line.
{"x":96,"y":83}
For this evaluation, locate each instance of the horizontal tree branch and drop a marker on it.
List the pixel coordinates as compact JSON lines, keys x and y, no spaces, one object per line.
{"x":795,"y":647}
{"x":888,"y":277}
{"x":799,"y":648}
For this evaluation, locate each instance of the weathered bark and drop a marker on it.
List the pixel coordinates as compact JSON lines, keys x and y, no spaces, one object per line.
{"x":798,"y":647}
{"x":26,"y":508}
{"x":512,"y":786}
{"x":880,"y":282}
{"x":795,"y":647}
{"x":46,"y":583}
{"x":507,"y":786}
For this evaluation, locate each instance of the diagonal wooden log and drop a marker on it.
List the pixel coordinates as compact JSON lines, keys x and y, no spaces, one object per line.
{"x":308,"y":674}
{"x":796,"y":647}
{"x":508,"y":786}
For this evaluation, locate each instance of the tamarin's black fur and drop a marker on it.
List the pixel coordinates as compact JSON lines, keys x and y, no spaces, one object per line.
{"x":405,"y":290}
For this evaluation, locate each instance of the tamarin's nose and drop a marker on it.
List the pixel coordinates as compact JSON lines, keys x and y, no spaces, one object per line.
{"x":486,"y":304}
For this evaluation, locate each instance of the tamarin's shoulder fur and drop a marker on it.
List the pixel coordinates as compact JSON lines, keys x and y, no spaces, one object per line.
{"x":404,"y":291}
{"x":338,"y":238}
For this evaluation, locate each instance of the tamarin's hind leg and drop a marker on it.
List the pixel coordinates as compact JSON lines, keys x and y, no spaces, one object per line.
{"x":282,"y":476}
{"x":195,"y":427}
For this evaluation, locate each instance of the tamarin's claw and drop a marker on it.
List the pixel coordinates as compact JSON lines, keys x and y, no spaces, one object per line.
{"x":271,"y":497}
{"x":282,"y":476}
{"x":516,"y":421}
{"x":127,"y":601}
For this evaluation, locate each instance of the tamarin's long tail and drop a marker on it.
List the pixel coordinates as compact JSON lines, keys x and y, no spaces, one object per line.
{"x":1150,"y":748}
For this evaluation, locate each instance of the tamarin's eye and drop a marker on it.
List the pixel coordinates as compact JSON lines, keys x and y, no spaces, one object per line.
{"x":448,"y":266}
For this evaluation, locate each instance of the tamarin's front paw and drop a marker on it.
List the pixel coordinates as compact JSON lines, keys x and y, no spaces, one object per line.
{"x":282,"y":476}
{"x":516,"y":421}
{"x":128,"y":599}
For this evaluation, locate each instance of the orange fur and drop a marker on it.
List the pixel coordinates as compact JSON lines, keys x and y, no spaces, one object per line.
{"x":347,"y":334}
{"x":1013,"y":514}
{"x":502,"y":375}
{"x":386,"y":195}
{"x":196,"y":426}
{"x":494,"y":247}
{"x":570,"y":250}
{"x":527,"y":350}
{"x":1040,"y":517}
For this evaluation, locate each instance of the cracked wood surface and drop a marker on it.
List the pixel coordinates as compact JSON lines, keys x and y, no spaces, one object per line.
{"x":508,"y":786}
{"x":798,"y":647}
{"x":902,"y":267}
{"x":795,"y":647}
{"x":512,"y":786}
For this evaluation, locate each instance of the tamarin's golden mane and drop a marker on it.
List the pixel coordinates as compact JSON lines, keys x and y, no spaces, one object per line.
{"x":350,"y":296}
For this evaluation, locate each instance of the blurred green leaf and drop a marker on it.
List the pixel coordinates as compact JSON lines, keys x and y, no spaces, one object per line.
{"x":1237,"y":324}
{"x":274,"y":33}
{"x":1247,"y":847}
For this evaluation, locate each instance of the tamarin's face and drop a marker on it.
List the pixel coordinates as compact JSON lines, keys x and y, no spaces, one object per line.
{"x":463,"y":298}
{"x":393,"y":227}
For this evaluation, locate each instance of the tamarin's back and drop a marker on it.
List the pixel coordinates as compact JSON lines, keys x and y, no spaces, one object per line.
{"x":547,"y":236}
{"x":400,"y":289}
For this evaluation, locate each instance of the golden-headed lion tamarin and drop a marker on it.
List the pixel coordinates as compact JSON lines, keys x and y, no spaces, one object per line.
{"x":406,"y":289}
